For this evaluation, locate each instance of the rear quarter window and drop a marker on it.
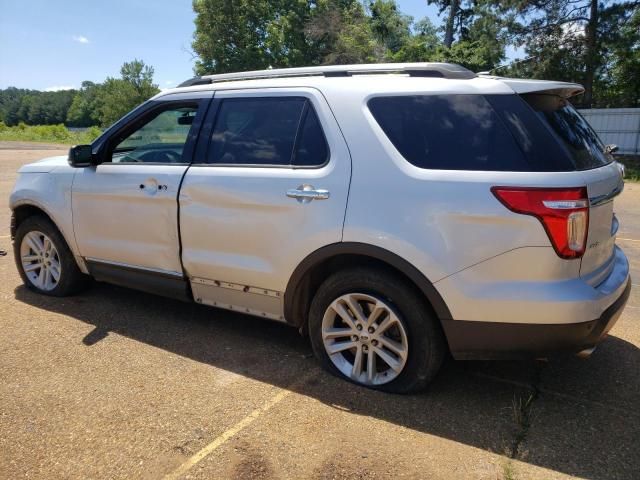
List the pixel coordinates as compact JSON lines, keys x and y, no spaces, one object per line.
{"x":448,"y":132}
{"x":570,"y":130}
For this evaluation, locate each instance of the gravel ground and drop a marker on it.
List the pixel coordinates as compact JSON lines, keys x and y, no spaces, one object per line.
{"x":120,"y":384}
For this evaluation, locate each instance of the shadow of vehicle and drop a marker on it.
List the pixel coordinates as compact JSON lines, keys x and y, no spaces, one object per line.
{"x":578,"y":417}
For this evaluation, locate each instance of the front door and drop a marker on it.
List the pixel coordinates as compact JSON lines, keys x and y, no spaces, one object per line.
{"x":273,"y":189}
{"x":125,"y":210}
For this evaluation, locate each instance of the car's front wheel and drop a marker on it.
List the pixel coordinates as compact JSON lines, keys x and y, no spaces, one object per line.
{"x":373,"y":328}
{"x":44,"y":260}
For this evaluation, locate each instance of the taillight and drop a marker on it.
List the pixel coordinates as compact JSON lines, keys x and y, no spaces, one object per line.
{"x":563,"y":212}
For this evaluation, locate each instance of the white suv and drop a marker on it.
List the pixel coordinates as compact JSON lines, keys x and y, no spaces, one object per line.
{"x":391,"y":212}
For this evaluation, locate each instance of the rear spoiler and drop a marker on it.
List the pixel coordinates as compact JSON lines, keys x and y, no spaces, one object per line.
{"x":520,"y":86}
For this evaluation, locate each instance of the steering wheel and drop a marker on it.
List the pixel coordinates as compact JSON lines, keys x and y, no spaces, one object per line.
{"x":160,"y":156}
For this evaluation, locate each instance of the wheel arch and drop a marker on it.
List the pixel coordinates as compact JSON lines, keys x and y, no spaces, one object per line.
{"x":22,"y":211}
{"x":318,"y":265}
{"x":25,"y":210}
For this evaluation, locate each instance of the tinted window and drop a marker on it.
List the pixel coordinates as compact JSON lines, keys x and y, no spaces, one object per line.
{"x":265,"y":131}
{"x":159,"y":139}
{"x":542,"y":151}
{"x":448,"y":132}
{"x":583,"y":146}
{"x":311,"y":148}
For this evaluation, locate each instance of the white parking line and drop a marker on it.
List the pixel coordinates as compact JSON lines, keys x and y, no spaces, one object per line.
{"x":234,"y":430}
{"x":627,"y":239}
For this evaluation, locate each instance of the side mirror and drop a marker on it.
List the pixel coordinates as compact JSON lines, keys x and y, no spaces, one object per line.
{"x":611,"y":148}
{"x":80,"y":156}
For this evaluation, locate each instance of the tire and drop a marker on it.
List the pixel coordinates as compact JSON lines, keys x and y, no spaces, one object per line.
{"x":39,"y":264}
{"x":412,"y":331}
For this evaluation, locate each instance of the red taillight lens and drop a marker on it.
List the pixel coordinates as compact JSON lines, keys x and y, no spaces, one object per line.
{"x":563,"y":212}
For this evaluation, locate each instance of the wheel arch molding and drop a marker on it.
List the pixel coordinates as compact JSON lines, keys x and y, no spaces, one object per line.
{"x":21,"y":211}
{"x":311,"y":271}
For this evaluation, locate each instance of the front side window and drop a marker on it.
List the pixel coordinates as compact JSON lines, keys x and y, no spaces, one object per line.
{"x":264,"y":131}
{"x":448,"y":132}
{"x":159,"y":139}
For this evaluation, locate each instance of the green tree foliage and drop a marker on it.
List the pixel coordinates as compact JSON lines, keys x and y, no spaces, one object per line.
{"x":476,"y":32}
{"x":621,"y":84}
{"x":576,"y":40}
{"x":341,"y":32}
{"x":421,"y":46}
{"x":238,"y":35}
{"x":34,"y":107}
{"x":390,"y":26}
{"x":84,"y":110}
{"x":94,"y":104}
{"x":117,"y":96}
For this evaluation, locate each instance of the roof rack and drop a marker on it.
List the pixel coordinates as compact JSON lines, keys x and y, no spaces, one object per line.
{"x":422,"y":69}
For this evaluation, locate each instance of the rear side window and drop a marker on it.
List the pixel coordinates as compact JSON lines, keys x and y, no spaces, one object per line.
{"x":570,"y":129}
{"x":278,"y":131}
{"x":311,"y":149}
{"x":448,"y":132}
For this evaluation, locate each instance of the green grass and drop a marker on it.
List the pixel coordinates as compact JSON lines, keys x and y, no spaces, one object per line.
{"x":631,"y":166}
{"x":47,"y":134}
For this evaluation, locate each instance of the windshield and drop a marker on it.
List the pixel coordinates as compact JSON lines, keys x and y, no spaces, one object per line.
{"x":585,"y":149}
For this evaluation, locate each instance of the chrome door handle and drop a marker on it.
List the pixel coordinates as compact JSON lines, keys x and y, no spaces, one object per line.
{"x":306,"y":193}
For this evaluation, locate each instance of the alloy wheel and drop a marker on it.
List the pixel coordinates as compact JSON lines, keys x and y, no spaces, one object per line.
{"x":40,"y":260}
{"x":365,"y":339}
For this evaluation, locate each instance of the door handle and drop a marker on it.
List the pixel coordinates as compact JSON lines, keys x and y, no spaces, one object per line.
{"x":151,"y":186}
{"x":306,"y":193}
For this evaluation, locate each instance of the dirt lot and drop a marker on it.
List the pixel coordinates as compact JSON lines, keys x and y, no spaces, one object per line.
{"x":120,"y":384}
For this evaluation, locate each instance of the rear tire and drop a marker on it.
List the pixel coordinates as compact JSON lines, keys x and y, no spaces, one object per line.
{"x":391,"y":323}
{"x":44,"y":260}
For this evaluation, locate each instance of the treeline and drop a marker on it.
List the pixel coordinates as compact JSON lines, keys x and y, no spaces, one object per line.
{"x":591,"y":42}
{"x":94,"y":104}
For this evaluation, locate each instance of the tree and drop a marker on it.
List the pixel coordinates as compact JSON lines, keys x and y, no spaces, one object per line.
{"x":422,"y":45}
{"x":624,"y":67}
{"x":569,"y":39}
{"x":459,"y":14}
{"x":117,"y":96}
{"x":93,"y":104}
{"x":391,"y":27}
{"x":34,"y":107}
{"x":84,"y":109}
{"x":479,"y":28}
{"x":240,"y":35}
{"x":454,"y":11}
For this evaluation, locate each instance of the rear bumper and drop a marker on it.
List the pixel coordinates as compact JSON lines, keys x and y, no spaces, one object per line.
{"x":472,"y":340}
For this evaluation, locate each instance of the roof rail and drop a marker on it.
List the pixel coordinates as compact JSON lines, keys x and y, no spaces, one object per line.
{"x":422,"y":69}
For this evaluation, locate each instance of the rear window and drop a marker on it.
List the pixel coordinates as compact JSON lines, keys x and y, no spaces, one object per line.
{"x":537,"y":133}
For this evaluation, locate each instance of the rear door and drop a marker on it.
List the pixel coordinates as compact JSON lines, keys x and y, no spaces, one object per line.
{"x":272,"y":190}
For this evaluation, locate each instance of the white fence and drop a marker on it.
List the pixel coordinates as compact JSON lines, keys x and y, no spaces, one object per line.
{"x":619,"y":126}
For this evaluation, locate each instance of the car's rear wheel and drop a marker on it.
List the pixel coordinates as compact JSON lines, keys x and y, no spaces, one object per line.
{"x":373,"y":328}
{"x":44,"y":260}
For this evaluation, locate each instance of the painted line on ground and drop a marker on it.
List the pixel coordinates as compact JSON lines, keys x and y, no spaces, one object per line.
{"x":627,"y":239}
{"x":234,"y":430}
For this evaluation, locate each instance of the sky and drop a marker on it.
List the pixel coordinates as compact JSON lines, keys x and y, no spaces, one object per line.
{"x":48,"y":45}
